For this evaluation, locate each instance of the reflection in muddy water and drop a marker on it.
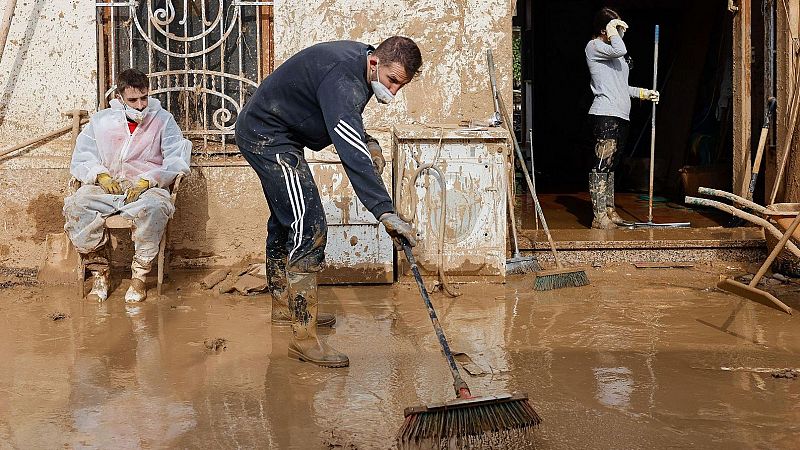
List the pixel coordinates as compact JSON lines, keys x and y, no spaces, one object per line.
{"x":614,"y":386}
{"x":632,"y":361}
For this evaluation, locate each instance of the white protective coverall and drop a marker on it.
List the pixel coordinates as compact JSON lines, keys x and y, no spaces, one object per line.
{"x":155,"y":151}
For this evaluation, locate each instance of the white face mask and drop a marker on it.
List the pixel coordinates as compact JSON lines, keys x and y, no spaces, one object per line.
{"x":382,"y":93}
{"x":621,"y":33}
{"x":133,"y":113}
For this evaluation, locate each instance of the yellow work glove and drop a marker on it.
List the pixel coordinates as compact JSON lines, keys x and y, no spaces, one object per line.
{"x":136,"y":190}
{"x":110,"y":185}
{"x":648,"y":94}
{"x":616,"y":27}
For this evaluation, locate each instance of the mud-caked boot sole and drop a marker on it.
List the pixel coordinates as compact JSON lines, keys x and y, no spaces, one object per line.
{"x":137,"y":292}
{"x":604,"y":224}
{"x":323,"y":320}
{"x":296,"y":353}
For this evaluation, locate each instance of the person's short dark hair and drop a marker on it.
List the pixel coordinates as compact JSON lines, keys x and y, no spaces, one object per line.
{"x":132,"y":78}
{"x":602,"y":18}
{"x":401,"y":50}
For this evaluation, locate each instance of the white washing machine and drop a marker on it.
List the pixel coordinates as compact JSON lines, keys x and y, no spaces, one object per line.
{"x":475,"y":166}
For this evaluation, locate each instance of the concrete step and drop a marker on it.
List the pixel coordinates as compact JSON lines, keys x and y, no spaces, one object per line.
{"x":587,"y":246}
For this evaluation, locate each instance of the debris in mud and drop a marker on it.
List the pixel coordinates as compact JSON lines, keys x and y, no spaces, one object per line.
{"x":56,"y":316}
{"x":786,"y":373}
{"x":246,"y":281}
{"x":181,"y":307}
{"x":336,"y":441}
{"x":747,"y":278}
{"x":780,"y":277}
{"x":10,"y":277}
{"x":216,"y":344}
{"x":214,"y":278}
{"x":663,"y":265}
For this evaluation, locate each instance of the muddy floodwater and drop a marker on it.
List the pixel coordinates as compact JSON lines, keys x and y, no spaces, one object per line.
{"x":641,"y":358}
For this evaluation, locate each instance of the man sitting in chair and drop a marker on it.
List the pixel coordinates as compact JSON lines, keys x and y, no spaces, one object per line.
{"x":126,"y":158}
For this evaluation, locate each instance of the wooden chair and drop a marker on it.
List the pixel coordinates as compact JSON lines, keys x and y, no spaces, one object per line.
{"x":117,"y":222}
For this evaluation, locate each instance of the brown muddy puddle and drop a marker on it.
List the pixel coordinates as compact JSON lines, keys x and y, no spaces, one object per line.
{"x":632,"y":361}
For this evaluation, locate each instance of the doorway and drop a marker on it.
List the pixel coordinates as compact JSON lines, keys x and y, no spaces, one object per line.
{"x":694,"y":145}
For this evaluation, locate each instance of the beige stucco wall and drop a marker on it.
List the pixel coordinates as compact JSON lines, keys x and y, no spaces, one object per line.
{"x":50,"y":67}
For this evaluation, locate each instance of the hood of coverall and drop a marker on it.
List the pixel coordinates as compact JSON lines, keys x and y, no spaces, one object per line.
{"x":130,"y":156}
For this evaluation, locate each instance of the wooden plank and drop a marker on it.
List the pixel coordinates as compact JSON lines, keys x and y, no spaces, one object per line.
{"x":103,"y":65}
{"x":267,"y":43}
{"x":742,"y":92}
{"x":662,"y":265}
{"x":788,"y":31}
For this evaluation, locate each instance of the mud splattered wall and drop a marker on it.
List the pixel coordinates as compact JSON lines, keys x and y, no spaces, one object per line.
{"x":50,"y":66}
{"x":453,"y":36}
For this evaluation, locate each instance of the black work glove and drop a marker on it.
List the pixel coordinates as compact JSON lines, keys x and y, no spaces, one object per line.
{"x":398,"y":228}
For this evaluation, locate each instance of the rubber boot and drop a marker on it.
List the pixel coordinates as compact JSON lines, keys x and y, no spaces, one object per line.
{"x":97,"y":263}
{"x":276,"y":283}
{"x":597,"y":191}
{"x":305,"y":344}
{"x":137,"y":291}
{"x":99,"y":292}
{"x":611,"y":209}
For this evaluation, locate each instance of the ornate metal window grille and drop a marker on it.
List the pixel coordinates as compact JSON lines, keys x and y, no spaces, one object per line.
{"x":204,"y":59}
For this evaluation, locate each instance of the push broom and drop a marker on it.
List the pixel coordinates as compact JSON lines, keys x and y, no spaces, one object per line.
{"x":466,"y":419}
{"x":650,"y":223}
{"x":560,"y":277}
{"x":517,"y":264}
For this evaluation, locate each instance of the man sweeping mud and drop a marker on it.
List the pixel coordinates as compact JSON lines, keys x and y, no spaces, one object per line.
{"x":312,"y":100}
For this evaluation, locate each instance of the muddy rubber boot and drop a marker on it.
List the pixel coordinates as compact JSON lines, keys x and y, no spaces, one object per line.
{"x":137,"y":291}
{"x":96,"y":262}
{"x":99,"y":292}
{"x":597,"y":191}
{"x":305,"y":344}
{"x":611,"y":209}
{"x":276,"y":283}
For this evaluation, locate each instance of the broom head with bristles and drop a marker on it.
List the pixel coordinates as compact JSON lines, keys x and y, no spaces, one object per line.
{"x":468,"y":419}
{"x":520,"y":265}
{"x":560,"y":278}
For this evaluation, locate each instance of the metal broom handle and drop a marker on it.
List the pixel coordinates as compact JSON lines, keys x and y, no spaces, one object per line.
{"x":458,"y":383}
{"x":653,"y":131}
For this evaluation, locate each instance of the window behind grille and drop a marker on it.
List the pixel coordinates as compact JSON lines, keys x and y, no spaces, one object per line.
{"x":204,"y":59}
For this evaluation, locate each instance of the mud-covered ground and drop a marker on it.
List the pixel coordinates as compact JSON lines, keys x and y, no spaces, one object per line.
{"x":641,"y":358}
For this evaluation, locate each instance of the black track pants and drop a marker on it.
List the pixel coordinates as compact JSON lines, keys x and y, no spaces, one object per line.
{"x":610,"y":135}
{"x":296,"y":229}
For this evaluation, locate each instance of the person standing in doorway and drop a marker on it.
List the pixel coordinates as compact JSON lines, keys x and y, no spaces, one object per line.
{"x":313,"y":100}
{"x":609,"y":66}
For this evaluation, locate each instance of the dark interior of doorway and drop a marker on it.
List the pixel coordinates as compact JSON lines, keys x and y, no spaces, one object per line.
{"x":693,"y":130}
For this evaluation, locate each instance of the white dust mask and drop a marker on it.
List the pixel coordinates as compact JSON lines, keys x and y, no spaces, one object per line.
{"x":382,"y":93}
{"x":133,"y":113}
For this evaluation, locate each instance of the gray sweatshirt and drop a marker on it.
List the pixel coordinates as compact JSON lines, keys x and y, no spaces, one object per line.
{"x":609,"y":71}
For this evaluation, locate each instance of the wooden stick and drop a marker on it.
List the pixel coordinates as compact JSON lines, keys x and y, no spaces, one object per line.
{"x":794,"y":114}
{"x":42,"y":137}
{"x":775,"y":251}
{"x":5,"y":25}
{"x":749,"y":186}
{"x":772,"y":229}
{"x":734,"y":198}
{"x":653,"y":131}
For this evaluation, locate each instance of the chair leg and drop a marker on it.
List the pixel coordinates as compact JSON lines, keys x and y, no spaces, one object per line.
{"x":161,"y":248}
{"x":81,"y":279}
